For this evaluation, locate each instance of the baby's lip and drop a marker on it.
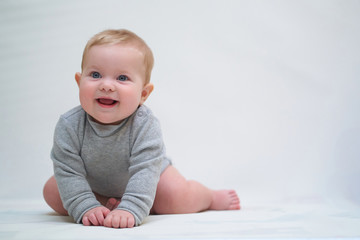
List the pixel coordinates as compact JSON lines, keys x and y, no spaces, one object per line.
{"x":106,"y":101}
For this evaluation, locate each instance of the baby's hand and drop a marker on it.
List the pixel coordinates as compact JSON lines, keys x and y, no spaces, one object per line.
{"x":119,"y":219}
{"x":95,"y":216}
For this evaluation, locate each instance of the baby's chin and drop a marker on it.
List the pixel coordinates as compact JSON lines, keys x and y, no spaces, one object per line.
{"x":105,"y":121}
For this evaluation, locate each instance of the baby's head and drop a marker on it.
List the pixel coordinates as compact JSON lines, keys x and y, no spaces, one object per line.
{"x":123,"y":37}
{"x":115,"y":75}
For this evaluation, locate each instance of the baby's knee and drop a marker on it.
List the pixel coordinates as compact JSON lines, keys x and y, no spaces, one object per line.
{"x":172,"y":192}
{"x":49,"y":187}
{"x":172,"y":186}
{"x":52,"y":196}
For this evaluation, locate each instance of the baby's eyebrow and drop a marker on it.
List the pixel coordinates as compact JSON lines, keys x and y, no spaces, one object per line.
{"x":93,"y":67}
{"x":123,"y":72}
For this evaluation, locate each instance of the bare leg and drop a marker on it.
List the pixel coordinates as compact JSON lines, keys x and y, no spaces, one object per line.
{"x":175,"y":194}
{"x":52,"y":198}
{"x":111,"y":203}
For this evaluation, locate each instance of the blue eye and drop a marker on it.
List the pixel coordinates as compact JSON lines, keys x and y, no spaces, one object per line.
{"x":122,"y":78}
{"x":95,"y":75}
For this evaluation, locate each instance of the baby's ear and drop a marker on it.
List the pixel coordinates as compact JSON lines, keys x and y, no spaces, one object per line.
{"x":77,"y":78}
{"x":148,"y":88}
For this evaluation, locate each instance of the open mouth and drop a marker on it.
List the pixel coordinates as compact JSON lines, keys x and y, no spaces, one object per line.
{"x":106,"y":102}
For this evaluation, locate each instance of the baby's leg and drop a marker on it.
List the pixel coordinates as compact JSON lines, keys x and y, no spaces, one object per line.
{"x":52,"y":198}
{"x":175,"y":194}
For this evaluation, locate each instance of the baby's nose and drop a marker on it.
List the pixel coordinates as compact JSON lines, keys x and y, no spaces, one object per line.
{"x":107,"y":85}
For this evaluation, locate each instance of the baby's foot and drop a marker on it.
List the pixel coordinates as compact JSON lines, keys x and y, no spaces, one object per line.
{"x":225,"y":200}
{"x":112,"y":203}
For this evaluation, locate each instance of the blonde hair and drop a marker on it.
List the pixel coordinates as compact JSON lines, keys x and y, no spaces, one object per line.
{"x":122,"y":36}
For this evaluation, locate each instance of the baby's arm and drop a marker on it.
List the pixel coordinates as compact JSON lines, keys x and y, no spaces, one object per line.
{"x":70,"y":173}
{"x":147,"y":154}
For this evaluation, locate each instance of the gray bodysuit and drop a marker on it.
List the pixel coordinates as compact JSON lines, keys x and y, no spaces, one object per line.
{"x":122,"y":161}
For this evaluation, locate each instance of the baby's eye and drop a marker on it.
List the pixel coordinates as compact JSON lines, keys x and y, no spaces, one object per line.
{"x":95,"y":75}
{"x":122,"y":78}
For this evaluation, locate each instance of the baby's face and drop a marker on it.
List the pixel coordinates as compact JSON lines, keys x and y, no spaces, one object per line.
{"x":112,"y":82}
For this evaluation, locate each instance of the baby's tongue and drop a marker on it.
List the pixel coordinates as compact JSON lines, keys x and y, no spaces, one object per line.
{"x":106,"y":101}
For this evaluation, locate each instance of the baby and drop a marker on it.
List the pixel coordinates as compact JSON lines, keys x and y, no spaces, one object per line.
{"x":110,"y":165}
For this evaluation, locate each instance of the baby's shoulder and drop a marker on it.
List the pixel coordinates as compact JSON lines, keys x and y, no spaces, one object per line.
{"x":143,"y":112}
{"x":74,"y":117}
{"x":143,"y":117}
{"x":144,"y":123}
{"x":76,"y":111}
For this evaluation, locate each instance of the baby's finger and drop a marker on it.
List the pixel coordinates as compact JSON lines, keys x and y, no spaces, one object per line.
{"x":123,"y":222}
{"x":105,"y":212}
{"x":116,"y":222}
{"x":93,"y":220}
{"x":99,"y":217}
{"x":131,"y":222}
{"x":108,"y":221}
{"x":86,"y":221}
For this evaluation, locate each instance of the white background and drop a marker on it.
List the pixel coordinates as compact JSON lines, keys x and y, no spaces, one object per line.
{"x":259,"y":96}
